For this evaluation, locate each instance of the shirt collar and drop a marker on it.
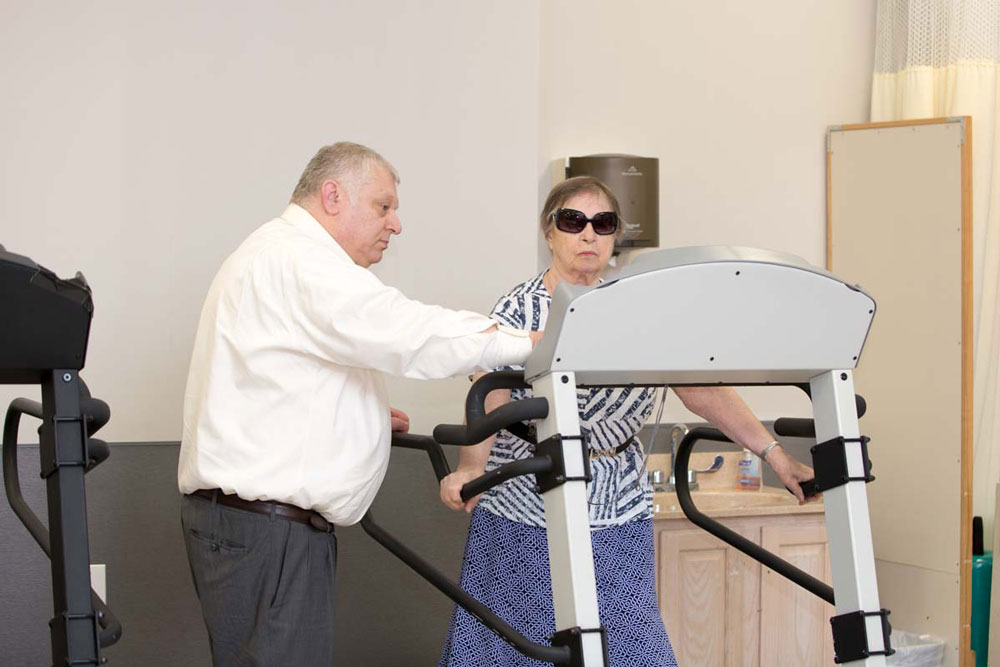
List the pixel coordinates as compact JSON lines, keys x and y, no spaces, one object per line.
{"x":303,"y":221}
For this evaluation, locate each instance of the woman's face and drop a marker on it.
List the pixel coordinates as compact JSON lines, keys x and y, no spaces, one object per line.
{"x":581,"y":257}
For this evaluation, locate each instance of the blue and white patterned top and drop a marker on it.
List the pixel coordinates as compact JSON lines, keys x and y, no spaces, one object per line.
{"x":619,"y":491}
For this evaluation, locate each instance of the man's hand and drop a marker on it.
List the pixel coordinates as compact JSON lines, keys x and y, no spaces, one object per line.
{"x":451,"y":489}
{"x":535,"y":336}
{"x":791,"y":472}
{"x":400,"y":421}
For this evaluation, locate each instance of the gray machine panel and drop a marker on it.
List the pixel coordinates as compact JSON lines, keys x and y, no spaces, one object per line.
{"x":703,"y":315}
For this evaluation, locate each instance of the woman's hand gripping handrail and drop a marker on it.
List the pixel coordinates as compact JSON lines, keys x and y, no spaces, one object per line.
{"x":480,"y":425}
{"x":728,"y":536}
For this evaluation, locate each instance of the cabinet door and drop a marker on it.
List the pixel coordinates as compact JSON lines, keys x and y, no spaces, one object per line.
{"x":795,"y":624}
{"x":709,"y":597}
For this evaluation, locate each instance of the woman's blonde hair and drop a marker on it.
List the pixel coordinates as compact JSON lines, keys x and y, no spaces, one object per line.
{"x":568,"y":189}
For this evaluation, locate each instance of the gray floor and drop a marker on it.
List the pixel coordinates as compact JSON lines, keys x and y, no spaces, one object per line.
{"x":387,"y":615}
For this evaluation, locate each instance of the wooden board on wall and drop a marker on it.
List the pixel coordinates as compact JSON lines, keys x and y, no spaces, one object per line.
{"x":899,"y":224}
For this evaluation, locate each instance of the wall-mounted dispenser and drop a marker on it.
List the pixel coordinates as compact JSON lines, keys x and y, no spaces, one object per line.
{"x":636,"y":182}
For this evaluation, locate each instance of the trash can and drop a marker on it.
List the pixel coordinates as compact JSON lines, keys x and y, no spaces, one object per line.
{"x":982,"y":575}
{"x":913,"y":650}
{"x":982,"y":578}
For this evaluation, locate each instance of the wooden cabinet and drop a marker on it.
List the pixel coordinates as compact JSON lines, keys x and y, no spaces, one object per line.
{"x":723,"y":609}
{"x":795,"y":624}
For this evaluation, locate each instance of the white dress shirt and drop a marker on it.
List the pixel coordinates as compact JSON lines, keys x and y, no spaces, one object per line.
{"x":285,"y":397}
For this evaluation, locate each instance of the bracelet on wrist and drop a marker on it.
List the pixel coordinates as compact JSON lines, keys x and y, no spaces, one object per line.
{"x":767,"y":450}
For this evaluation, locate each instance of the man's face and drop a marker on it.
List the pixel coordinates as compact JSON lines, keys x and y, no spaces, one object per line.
{"x":370,"y":217}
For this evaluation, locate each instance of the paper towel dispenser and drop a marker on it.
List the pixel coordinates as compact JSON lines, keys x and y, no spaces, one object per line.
{"x":635,"y":181}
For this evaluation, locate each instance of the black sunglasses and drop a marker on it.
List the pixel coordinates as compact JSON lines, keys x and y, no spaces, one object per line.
{"x":571,"y":221}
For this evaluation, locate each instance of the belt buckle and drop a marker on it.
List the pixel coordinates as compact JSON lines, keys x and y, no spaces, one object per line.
{"x":319,"y":523}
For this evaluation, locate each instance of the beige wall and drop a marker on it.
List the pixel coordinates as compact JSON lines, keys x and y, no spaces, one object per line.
{"x":734,"y":98}
{"x":142,"y":142}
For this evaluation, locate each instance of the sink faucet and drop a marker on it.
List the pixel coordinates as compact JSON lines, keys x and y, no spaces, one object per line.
{"x":677,"y":434}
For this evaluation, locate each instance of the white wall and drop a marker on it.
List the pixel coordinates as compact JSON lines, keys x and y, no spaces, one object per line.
{"x":142,"y":142}
{"x":734,"y":98}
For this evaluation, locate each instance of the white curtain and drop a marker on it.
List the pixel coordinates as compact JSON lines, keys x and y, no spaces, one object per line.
{"x":938,"y":58}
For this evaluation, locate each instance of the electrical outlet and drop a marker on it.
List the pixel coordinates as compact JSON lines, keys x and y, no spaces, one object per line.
{"x":99,"y":580}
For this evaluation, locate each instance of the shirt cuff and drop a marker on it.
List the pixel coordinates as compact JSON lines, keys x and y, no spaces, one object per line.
{"x":509,"y":347}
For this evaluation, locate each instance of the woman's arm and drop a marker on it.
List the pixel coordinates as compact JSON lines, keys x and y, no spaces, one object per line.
{"x":724,"y":408}
{"x":472,"y":459}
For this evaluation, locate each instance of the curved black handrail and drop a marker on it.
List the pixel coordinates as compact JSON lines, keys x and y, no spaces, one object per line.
{"x":479,"y":424}
{"x":499,"y":475}
{"x":481,"y":484}
{"x":111,"y":627}
{"x":559,"y":655}
{"x":475,"y":400}
{"x":755,"y":551}
{"x":506,"y":416}
{"x":429,"y":445}
{"x":796,"y":427}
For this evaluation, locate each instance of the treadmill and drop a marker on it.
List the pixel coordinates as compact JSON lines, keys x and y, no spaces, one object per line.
{"x":750,"y":317}
{"x":43,"y":340}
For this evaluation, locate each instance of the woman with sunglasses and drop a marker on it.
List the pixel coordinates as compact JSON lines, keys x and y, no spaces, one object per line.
{"x":506,"y":564}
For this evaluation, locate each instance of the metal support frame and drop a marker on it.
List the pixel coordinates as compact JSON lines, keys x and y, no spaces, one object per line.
{"x":63,"y":452}
{"x":567,"y":520}
{"x":852,"y":557}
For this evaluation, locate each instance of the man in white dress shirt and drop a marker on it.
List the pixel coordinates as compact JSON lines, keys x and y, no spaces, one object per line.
{"x":287,"y":422}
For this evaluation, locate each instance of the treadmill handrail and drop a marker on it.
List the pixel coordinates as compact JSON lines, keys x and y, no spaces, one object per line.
{"x":111,"y":627}
{"x":475,"y":412}
{"x":784,"y":568}
{"x":484,"y":482}
{"x":558,"y":655}
{"x":481,"y":427}
{"x":800,"y":427}
{"x":429,"y":445}
{"x":500,"y":474}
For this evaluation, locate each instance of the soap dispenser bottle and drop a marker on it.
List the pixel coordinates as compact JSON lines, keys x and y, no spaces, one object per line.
{"x":748,"y":472}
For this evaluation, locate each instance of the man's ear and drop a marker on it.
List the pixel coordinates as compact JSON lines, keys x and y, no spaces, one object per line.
{"x":332,"y":197}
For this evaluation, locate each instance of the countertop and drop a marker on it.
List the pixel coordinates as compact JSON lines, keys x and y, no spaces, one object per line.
{"x":734,"y":503}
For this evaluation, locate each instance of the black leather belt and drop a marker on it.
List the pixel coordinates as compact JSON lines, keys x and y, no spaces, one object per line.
{"x":291,"y":512}
{"x":596,"y":453}
{"x":625,"y":445}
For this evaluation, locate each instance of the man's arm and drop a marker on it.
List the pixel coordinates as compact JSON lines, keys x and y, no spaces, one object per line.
{"x":343,"y":313}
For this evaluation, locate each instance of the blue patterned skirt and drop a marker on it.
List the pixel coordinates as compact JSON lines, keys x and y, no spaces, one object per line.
{"x":506,"y":568}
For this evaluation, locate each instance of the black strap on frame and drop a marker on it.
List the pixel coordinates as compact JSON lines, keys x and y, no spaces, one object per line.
{"x":850,"y":636}
{"x":830,"y":463}
{"x":573,"y":639}
{"x":556,"y":476}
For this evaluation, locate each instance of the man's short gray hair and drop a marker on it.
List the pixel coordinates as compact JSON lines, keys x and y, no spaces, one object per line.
{"x":344,"y":162}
